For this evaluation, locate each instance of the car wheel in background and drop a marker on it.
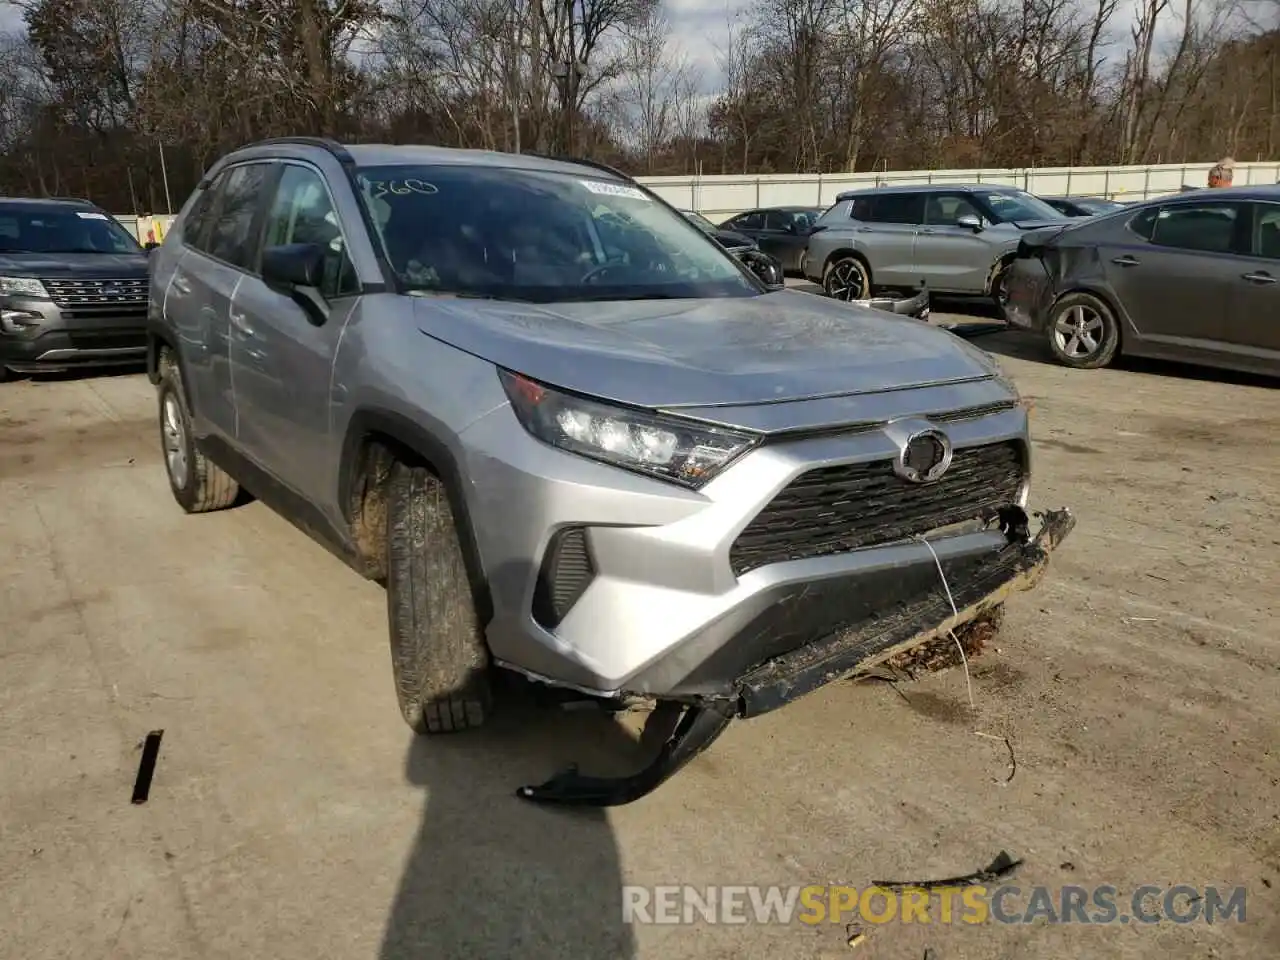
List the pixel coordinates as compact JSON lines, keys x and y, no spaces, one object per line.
{"x":1000,"y":292}
{"x":847,"y":278}
{"x":438,"y":653}
{"x":198,"y":484}
{"x":1083,"y":331}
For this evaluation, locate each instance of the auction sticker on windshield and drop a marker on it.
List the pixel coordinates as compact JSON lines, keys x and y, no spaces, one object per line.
{"x":614,"y":189}
{"x":91,"y":216}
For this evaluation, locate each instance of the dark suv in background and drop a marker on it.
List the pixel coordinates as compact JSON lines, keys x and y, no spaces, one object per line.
{"x":73,"y":287}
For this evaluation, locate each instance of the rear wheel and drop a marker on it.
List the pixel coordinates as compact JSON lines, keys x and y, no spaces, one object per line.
{"x":847,"y":278}
{"x":198,"y":484}
{"x":1083,"y":332}
{"x":438,"y":653}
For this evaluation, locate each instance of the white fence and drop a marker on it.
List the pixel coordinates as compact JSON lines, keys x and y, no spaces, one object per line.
{"x":720,"y":197}
{"x":723,"y":196}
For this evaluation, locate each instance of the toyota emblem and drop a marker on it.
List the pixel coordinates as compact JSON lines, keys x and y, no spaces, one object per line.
{"x":924,"y":458}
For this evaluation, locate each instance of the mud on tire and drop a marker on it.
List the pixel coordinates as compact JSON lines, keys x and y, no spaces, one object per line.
{"x":198,"y":484}
{"x":438,"y":654}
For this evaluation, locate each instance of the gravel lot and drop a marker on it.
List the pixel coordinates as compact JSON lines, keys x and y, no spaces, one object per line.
{"x":292,"y":817}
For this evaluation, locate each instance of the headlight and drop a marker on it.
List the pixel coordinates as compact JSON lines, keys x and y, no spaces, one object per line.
{"x":22,"y":287}
{"x":686,"y":453}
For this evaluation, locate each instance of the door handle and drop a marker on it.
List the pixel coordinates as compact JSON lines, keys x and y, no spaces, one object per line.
{"x":1126,"y":261}
{"x":240,"y":323}
{"x":181,"y":285}
{"x":1260,"y":277}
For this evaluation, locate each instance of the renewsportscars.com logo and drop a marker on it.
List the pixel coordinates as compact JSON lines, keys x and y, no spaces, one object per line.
{"x":1004,"y":904}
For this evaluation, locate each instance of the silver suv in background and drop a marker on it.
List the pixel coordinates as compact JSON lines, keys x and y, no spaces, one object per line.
{"x":958,"y":240}
{"x":577,"y":439}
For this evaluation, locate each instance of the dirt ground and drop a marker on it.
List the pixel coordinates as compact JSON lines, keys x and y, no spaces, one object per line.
{"x":293,"y":816}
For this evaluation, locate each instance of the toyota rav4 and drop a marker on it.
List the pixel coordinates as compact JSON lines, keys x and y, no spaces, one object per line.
{"x":577,"y":439}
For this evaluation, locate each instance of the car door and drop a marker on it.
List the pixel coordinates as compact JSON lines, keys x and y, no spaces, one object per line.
{"x":953,"y":258}
{"x":886,"y":235}
{"x":1254,"y":322}
{"x":784,"y":237}
{"x":1174,"y":269}
{"x":283,"y":342}
{"x":201,"y":291}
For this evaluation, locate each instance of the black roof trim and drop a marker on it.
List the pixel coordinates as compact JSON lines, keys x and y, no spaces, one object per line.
{"x":324,"y":143}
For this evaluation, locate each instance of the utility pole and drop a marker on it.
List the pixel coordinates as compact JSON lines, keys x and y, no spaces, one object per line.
{"x":568,"y":73}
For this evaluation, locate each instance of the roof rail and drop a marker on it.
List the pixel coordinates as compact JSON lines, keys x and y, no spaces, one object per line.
{"x":80,"y":200}
{"x":324,"y":143}
{"x":584,"y":162}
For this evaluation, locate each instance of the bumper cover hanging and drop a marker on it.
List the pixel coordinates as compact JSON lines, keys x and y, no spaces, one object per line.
{"x":1017,"y":567}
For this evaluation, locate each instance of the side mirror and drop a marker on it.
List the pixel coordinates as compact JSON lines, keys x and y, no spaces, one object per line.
{"x":969,"y":220}
{"x":293,"y":265}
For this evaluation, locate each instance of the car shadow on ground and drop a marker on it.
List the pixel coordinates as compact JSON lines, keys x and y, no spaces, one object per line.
{"x":491,"y":875}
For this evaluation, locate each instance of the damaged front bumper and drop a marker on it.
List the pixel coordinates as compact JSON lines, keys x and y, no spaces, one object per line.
{"x":842,"y":654}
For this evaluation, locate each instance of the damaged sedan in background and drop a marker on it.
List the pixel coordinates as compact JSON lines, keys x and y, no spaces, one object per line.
{"x":580,"y":442}
{"x":1192,"y":277}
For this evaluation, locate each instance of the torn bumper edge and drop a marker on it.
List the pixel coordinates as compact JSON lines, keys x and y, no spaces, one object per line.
{"x":1017,"y":567}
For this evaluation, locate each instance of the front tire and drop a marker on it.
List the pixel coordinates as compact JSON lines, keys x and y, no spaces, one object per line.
{"x":438,"y":653}
{"x":848,"y":278}
{"x":1083,"y":332}
{"x":198,"y":484}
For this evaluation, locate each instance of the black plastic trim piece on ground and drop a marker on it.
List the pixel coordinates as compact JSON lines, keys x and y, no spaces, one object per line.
{"x":147,"y":766}
{"x":700,"y":727}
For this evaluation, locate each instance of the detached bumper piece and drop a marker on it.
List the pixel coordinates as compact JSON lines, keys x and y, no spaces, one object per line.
{"x":1014,"y":568}
{"x":699,"y":727}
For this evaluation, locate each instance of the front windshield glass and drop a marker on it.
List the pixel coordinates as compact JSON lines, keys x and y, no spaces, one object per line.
{"x":1100,"y":206}
{"x":533,"y":235}
{"x":34,"y":230}
{"x":1013,"y":205}
{"x":698,"y":220}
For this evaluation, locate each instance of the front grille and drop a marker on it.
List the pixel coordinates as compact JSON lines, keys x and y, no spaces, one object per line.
{"x":565,"y":574}
{"x":837,"y":509}
{"x":99,"y":297}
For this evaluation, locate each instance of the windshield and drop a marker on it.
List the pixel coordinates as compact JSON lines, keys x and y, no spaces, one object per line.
{"x":1096,"y":206}
{"x":701,"y":222}
{"x":1010,"y":205}
{"x":62,"y":231}
{"x":548,"y":237}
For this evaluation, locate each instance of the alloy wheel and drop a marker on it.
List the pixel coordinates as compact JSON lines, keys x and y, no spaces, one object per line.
{"x":846,"y":282}
{"x":1078,"y":332}
{"x":174,"y":430}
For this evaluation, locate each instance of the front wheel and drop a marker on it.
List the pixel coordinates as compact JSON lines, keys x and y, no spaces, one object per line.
{"x":1083,"y":332}
{"x":438,"y":653}
{"x":847,"y":279}
{"x":1000,"y":293}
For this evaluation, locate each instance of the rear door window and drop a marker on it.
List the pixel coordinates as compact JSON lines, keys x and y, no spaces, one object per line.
{"x":233,"y":237}
{"x":905,"y":208}
{"x":195,"y":224}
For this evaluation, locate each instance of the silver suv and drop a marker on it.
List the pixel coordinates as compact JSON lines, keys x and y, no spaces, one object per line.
{"x":576,"y":439}
{"x":957,"y":239}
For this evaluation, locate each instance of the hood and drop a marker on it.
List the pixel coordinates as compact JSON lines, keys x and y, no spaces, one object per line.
{"x":732,"y":239}
{"x":786,"y":345}
{"x":88,"y":266}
